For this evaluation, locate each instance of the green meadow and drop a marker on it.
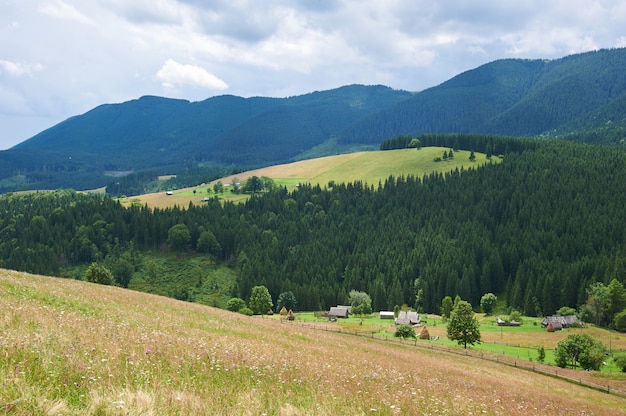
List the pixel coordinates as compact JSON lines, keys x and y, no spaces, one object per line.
{"x":368,"y":167}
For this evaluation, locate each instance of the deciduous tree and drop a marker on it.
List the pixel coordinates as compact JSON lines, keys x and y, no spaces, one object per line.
{"x":178,"y":238}
{"x":580,"y":349}
{"x":260,"y":300}
{"x":488,"y":303}
{"x":288,"y":300}
{"x":446,"y":307}
{"x":463,"y":326}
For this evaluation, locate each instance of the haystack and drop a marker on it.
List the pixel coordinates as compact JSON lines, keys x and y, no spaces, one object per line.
{"x":424,"y":334}
{"x":290,"y":315}
{"x":550,"y":328}
{"x":283,"y":311}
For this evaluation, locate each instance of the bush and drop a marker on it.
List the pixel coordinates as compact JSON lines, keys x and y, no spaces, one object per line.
{"x":405,"y":331}
{"x":96,"y":273}
{"x":246,"y":311}
{"x":235,"y":304}
{"x":541,"y":354}
{"x":620,"y":361}
{"x":515,"y":316}
{"x":619,"y":321}
{"x":566,"y":310}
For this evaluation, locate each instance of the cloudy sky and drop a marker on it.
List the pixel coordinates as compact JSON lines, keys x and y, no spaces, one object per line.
{"x":60,"y":58}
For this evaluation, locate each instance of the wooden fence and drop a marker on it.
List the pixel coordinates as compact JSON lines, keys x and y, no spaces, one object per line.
{"x":545,"y":369}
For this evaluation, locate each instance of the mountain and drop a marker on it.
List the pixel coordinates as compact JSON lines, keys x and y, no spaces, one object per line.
{"x":580,"y":97}
{"x":511,"y":97}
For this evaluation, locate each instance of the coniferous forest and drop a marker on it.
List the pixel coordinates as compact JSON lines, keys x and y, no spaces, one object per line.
{"x":537,"y":229}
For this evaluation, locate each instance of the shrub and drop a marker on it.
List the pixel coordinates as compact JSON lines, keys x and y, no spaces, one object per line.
{"x":566,"y":310}
{"x":97,"y":273}
{"x":515,"y":316}
{"x":619,"y":321}
{"x":620,"y":361}
{"x":405,"y":331}
{"x":235,"y":304}
{"x":541,"y":354}
{"x":246,"y":311}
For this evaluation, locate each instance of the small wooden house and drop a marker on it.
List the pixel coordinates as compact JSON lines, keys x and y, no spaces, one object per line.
{"x":338,"y":312}
{"x":559,"y":322}
{"x":502,"y":322}
{"x":386,"y":315}
{"x":408,"y":318}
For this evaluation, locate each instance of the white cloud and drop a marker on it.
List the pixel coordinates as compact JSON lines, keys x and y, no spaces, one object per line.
{"x":63,"y":10}
{"x":175,"y":74}
{"x":19,"y":68}
{"x":75,"y":54}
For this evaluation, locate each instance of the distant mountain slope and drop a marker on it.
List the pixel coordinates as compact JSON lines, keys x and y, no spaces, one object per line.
{"x":580,"y":97}
{"x":510,"y":97}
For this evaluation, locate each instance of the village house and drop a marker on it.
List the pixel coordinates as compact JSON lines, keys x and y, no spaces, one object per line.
{"x":559,"y":322}
{"x":408,"y":318}
{"x":386,"y":315}
{"x":338,"y":312}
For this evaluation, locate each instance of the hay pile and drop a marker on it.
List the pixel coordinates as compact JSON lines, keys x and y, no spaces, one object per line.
{"x":424,"y":334}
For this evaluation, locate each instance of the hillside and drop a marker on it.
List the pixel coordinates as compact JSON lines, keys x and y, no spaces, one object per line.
{"x":579,"y":94}
{"x":73,"y":348}
{"x":536,"y":229}
{"x":511,"y":97}
{"x":368,"y":167}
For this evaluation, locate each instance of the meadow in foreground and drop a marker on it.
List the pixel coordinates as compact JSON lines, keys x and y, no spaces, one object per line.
{"x":70,"y":347}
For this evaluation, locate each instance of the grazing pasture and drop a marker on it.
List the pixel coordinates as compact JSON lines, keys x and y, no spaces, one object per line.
{"x":369,"y":167}
{"x":74,"y":348}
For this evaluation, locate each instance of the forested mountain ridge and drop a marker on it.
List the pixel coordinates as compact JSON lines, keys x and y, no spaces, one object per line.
{"x":512,"y":97}
{"x":579,"y":97}
{"x":537,"y":229}
{"x":169,"y":136}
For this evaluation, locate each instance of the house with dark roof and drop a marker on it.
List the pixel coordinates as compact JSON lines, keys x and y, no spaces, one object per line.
{"x":338,"y":312}
{"x":559,"y":322}
{"x":408,"y":318}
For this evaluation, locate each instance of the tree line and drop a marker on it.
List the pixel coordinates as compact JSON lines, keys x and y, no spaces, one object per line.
{"x":537,"y":229}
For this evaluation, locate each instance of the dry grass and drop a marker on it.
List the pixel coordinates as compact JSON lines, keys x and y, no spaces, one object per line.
{"x":70,"y":347}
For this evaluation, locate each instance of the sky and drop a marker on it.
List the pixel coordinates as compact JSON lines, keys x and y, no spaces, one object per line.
{"x":61,"y":58}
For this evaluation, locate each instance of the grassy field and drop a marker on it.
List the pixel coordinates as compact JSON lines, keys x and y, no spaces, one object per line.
{"x":369,"y":167}
{"x":520,"y":342}
{"x":73,"y":348}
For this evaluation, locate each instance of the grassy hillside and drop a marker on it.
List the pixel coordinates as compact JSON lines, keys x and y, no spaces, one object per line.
{"x":511,"y":97}
{"x":75,"y":348}
{"x":369,"y":167}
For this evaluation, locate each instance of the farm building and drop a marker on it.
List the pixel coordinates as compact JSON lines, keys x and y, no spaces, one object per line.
{"x":501,"y":322}
{"x":408,"y":318}
{"x":386,"y":315}
{"x":338,"y":312}
{"x":559,"y":322}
